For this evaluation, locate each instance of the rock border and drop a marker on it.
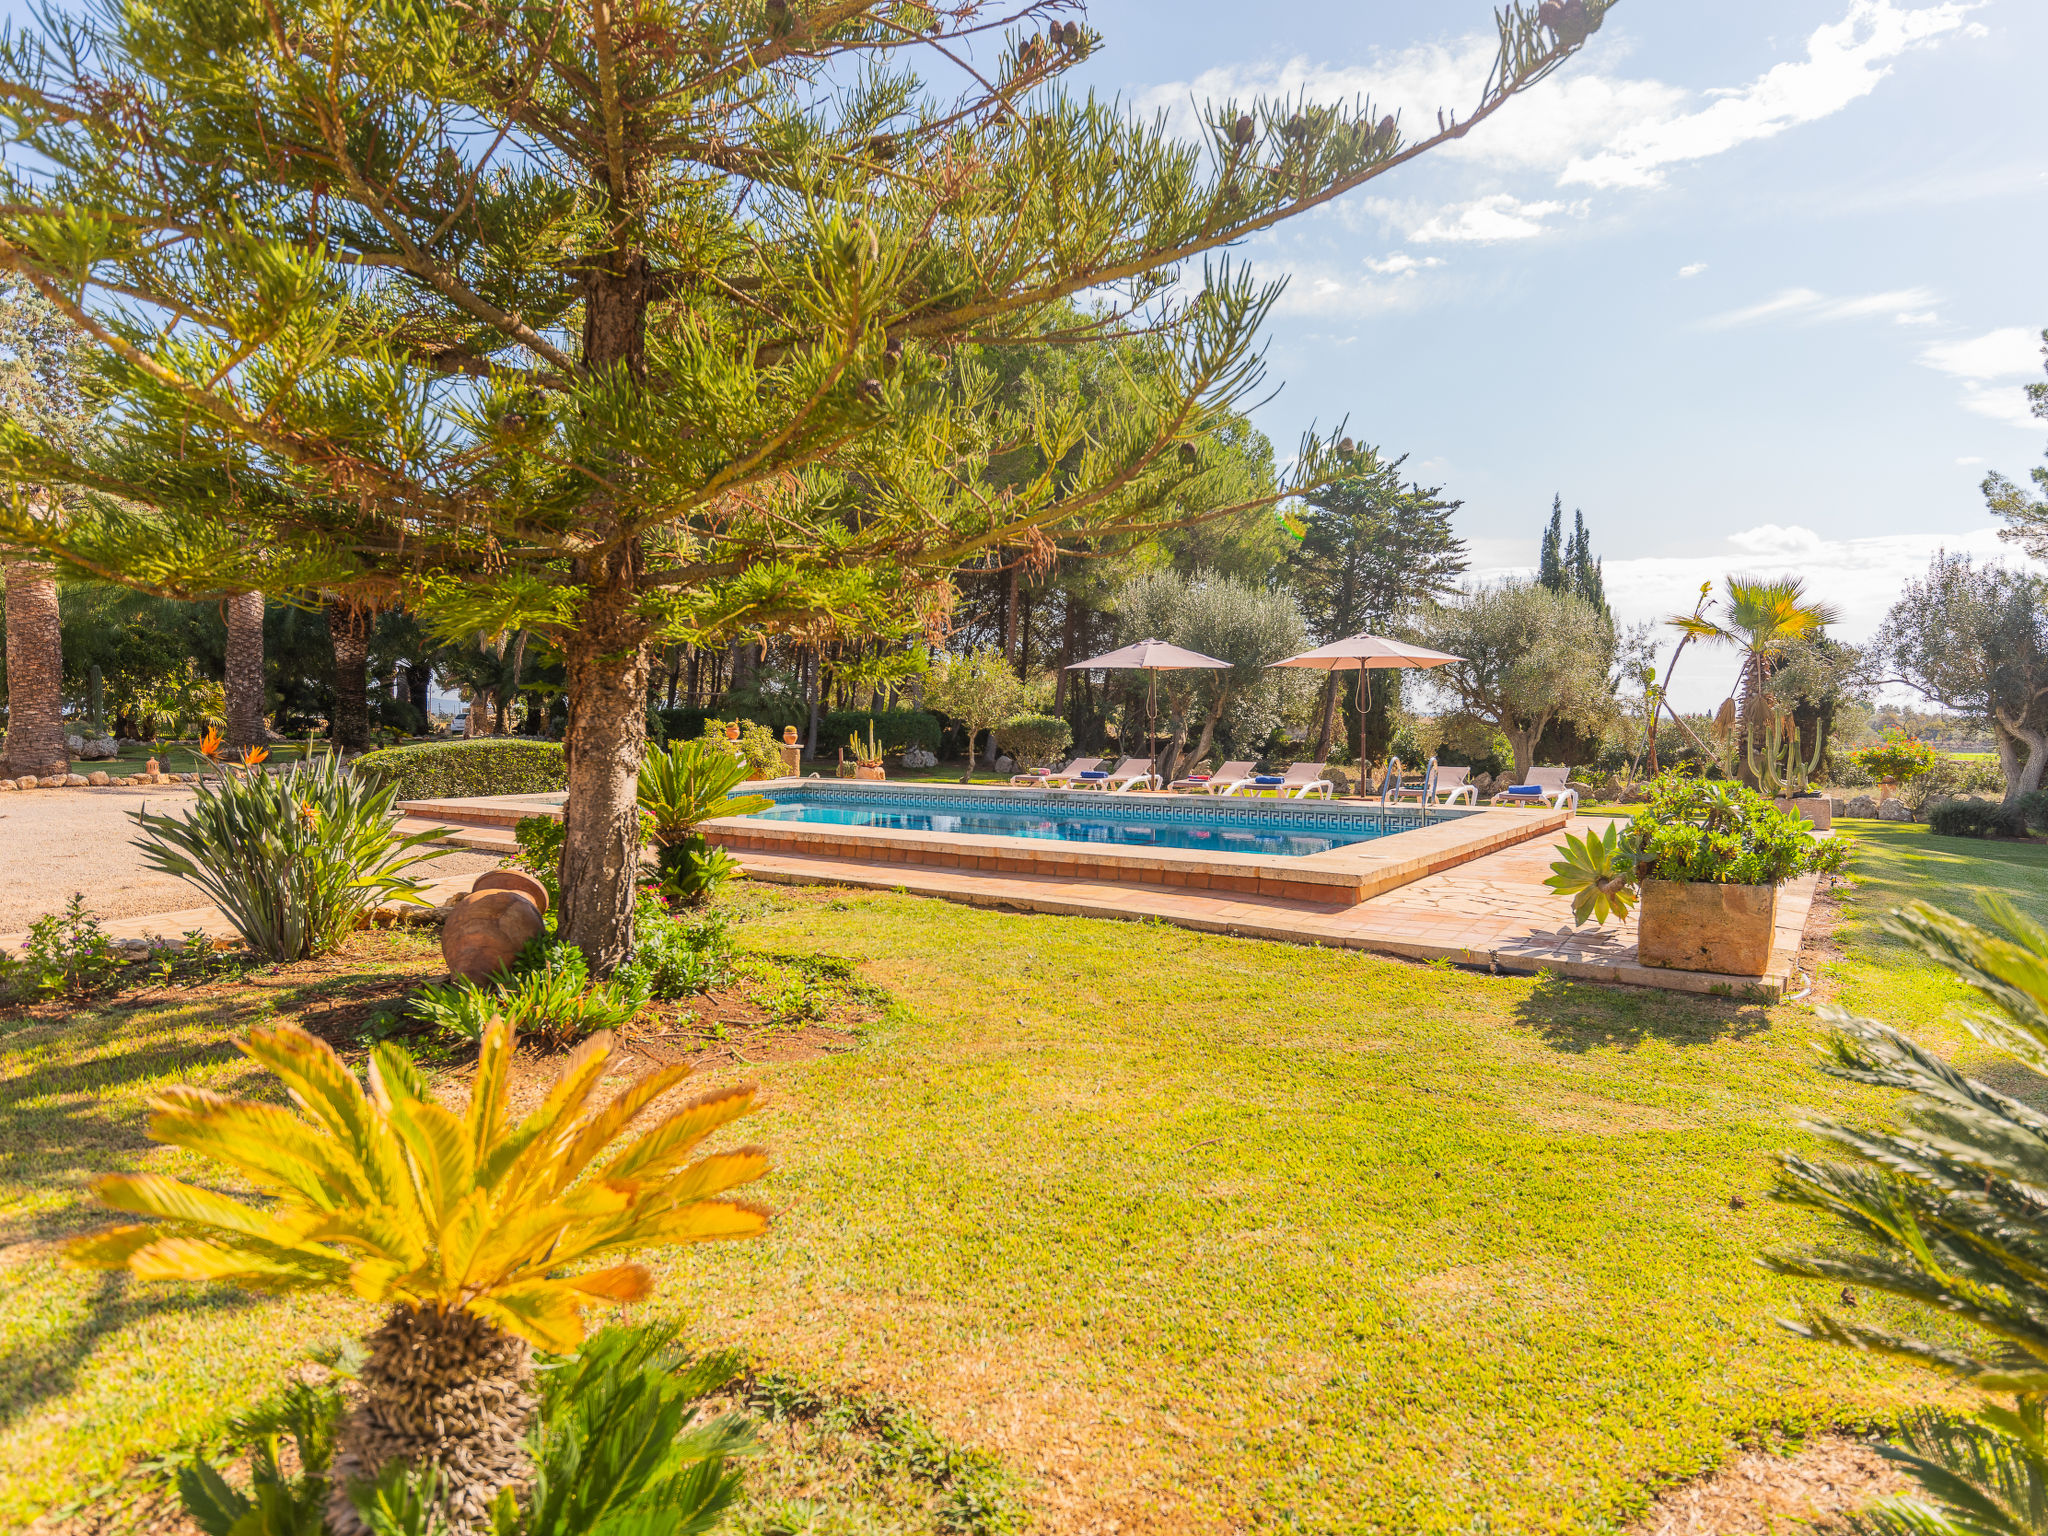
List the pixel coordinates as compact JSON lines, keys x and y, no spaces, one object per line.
{"x":98,"y":779}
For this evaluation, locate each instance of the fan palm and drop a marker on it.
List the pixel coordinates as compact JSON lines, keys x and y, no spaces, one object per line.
{"x":476,"y":1231}
{"x":1762,"y":620}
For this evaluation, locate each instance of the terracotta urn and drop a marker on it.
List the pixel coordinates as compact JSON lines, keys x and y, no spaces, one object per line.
{"x":151,"y":767}
{"x":789,"y":735}
{"x":513,"y":880}
{"x":487,"y":930}
{"x":1694,"y":926}
{"x":863,"y":771}
{"x":732,"y":732}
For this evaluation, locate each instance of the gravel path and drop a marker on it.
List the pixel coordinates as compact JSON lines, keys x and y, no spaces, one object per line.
{"x":56,"y":841}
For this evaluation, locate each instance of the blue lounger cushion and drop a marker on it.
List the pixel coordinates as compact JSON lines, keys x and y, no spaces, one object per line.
{"x":1270,"y":778}
{"x":1095,"y":775}
{"x":1531,"y":790}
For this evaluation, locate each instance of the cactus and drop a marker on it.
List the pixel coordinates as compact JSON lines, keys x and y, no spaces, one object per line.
{"x":1782,"y":769}
{"x":867,"y":753}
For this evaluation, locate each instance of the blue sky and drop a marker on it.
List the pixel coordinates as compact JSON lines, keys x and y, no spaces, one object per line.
{"x":1754,"y":284}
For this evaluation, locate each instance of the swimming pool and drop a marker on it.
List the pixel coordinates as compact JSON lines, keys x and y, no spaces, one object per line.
{"x":1283,"y":829}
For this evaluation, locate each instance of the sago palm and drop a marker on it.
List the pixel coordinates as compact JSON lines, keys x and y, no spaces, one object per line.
{"x":1761,"y":619}
{"x":476,"y":1231}
{"x":1947,"y":1210}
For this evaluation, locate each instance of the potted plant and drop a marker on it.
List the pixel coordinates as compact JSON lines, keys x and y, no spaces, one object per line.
{"x":1893,"y":761}
{"x":867,"y":755}
{"x":1705,"y":861}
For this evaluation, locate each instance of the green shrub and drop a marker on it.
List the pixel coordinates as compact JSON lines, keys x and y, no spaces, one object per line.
{"x":758,"y":746}
{"x":546,"y":995}
{"x":1898,"y":757}
{"x":540,"y":840}
{"x":2034,"y":806}
{"x":451,"y":770}
{"x":294,"y":859}
{"x":678,"y":959}
{"x":1976,"y":818}
{"x":65,"y":955}
{"x":898,"y":730}
{"x":1034,"y":740}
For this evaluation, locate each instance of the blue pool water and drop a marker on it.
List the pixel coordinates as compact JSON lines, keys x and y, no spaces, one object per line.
{"x":1185,"y":822}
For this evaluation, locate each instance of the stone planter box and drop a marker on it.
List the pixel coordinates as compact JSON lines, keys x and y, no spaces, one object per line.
{"x":1817,"y":809}
{"x":1722,"y":928}
{"x":876,"y":773}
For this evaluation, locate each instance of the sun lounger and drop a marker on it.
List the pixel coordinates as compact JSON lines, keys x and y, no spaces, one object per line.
{"x":1217,"y":783}
{"x":1067,"y":775}
{"x":1129,"y":774}
{"x":1436,"y":781}
{"x":1450,"y":782}
{"x":1297,"y":783}
{"x":1544,"y":786}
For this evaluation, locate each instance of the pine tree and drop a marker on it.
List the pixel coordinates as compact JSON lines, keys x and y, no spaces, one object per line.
{"x":1551,"y":570}
{"x":630,"y":325}
{"x":1586,"y":578}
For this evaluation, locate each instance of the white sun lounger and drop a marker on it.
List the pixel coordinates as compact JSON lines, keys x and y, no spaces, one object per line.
{"x":1218,"y":783}
{"x":1067,"y":775}
{"x":1298,"y":783}
{"x":1128,"y":775}
{"x":1550,"y":789}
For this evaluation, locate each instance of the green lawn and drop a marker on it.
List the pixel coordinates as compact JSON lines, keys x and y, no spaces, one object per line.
{"x":1184,"y":1232}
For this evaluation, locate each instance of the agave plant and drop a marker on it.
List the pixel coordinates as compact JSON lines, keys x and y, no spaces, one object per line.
{"x":1947,"y":1211}
{"x":295,"y":859}
{"x":476,"y":1232}
{"x":1598,"y":872}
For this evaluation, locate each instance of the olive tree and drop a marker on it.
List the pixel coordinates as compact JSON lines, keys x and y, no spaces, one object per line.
{"x":1527,"y":656}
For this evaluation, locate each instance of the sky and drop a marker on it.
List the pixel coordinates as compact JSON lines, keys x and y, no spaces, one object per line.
{"x":1754,"y":285}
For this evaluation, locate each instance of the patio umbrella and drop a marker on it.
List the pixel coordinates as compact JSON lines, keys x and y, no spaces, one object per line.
{"x":1368,"y":653}
{"x":1152,"y":657}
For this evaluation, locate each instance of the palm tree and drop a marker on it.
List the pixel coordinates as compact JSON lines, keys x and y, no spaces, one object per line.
{"x":245,"y":670}
{"x":34,"y":746}
{"x":1762,"y":619}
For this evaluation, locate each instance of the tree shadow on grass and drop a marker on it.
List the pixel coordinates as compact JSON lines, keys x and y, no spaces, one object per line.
{"x":1578,"y":1016}
{"x":43,"y":1369}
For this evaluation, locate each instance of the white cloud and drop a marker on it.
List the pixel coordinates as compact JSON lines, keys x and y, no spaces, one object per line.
{"x":1920,"y":317}
{"x":1969,"y":459}
{"x":1861,"y":577}
{"x":1692,"y":269}
{"x":1811,"y":307}
{"x":1401,"y":263}
{"x":2011,"y":352}
{"x":1501,"y":216}
{"x":2006,"y":403}
{"x":1844,"y":62}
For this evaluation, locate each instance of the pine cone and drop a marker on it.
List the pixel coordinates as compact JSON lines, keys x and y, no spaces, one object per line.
{"x":1347,"y":448}
{"x":1188,"y":453}
{"x":1568,"y":20}
{"x":1242,"y":130}
{"x":1384,"y":136}
{"x":871,"y":389}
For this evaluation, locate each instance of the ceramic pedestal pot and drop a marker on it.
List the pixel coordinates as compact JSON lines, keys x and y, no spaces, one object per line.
{"x":862,"y":771}
{"x":487,"y":930}
{"x":1726,"y":929}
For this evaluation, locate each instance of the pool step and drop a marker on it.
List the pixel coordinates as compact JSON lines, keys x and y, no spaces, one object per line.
{"x":483,"y":838}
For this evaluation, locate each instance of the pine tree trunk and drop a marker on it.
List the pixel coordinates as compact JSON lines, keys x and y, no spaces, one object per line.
{"x":348,"y":627}
{"x":35,"y":675}
{"x":419,"y":676}
{"x":440,"y":1389}
{"x":245,"y":670}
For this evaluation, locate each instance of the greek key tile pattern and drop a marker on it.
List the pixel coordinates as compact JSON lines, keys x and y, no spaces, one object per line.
{"x":1184,"y":810}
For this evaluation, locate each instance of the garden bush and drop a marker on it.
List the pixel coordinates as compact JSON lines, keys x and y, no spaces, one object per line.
{"x":684,"y":724}
{"x":546,"y":996}
{"x":898,"y":730}
{"x":2034,"y":806}
{"x":66,"y":954}
{"x":1962,"y":817}
{"x":295,"y":860}
{"x":449,"y":770}
{"x":1034,"y":740}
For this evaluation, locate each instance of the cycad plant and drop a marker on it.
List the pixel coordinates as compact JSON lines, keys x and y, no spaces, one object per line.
{"x":681,"y":786}
{"x":477,"y":1232}
{"x":295,"y":859}
{"x":1948,"y":1210}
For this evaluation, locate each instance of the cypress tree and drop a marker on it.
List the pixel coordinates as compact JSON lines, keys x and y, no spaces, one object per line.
{"x":1550,"y":565}
{"x":628,"y":325}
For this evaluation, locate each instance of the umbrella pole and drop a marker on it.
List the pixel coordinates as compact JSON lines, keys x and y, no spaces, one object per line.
{"x":1151,"y":712}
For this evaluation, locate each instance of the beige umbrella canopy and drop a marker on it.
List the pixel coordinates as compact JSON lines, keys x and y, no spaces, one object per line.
{"x":1152,"y":657}
{"x":1367,"y":653}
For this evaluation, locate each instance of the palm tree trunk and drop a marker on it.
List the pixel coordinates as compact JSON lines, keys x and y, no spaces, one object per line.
{"x":35,"y":674}
{"x":349,"y":628}
{"x":245,"y":670}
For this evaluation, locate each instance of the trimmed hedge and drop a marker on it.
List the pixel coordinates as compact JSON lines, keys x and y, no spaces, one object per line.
{"x":1976,"y":818}
{"x":447,"y":770}
{"x":899,"y":729}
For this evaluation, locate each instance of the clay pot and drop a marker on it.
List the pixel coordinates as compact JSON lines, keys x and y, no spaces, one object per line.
{"x":151,"y":767}
{"x":487,"y":930}
{"x":732,"y":733}
{"x":1728,"y":929}
{"x":789,"y":735}
{"x":513,"y":880}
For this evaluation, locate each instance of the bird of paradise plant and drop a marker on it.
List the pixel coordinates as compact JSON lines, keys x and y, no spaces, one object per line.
{"x":480,"y":1234}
